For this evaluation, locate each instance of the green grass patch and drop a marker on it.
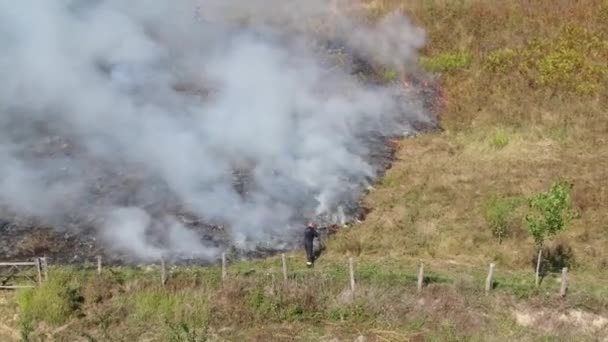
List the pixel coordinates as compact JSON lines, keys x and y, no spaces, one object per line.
{"x":354,"y":312}
{"x":182,"y":315}
{"x":499,"y":140}
{"x":499,"y":214}
{"x":446,"y":62}
{"x":161,"y":304}
{"x":54,"y":302}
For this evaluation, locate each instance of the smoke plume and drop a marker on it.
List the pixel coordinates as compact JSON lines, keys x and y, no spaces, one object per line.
{"x":119,"y":114}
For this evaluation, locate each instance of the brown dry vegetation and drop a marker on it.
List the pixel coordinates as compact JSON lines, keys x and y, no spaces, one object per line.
{"x":525,"y":86}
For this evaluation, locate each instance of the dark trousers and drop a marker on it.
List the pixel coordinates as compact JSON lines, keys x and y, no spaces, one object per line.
{"x":310,"y":255}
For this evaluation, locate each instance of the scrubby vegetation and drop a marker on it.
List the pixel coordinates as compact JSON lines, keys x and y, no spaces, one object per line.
{"x":499,"y":215}
{"x":525,"y":87}
{"x":255,"y":303}
{"x":54,"y":301}
{"x":446,"y":62}
{"x":550,"y":212}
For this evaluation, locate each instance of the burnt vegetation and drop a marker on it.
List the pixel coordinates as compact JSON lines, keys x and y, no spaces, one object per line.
{"x":72,"y":237}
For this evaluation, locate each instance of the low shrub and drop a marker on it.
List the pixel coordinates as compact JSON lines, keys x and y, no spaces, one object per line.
{"x":53,"y":302}
{"x":499,"y":215}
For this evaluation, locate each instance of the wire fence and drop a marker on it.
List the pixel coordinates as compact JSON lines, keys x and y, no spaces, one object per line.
{"x":28,"y":274}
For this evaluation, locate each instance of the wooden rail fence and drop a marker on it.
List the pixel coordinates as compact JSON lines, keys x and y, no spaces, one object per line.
{"x":15,"y":269}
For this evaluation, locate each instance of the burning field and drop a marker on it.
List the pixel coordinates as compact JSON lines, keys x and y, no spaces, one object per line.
{"x":182,"y":129}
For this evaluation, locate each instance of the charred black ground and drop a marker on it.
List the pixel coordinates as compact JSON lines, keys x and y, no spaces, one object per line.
{"x":27,"y":237}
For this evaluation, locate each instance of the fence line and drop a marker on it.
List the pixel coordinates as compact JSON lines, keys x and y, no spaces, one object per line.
{"x":41,"y":267}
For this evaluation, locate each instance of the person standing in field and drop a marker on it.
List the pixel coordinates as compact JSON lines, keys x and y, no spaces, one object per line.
{"x":310,"y":233}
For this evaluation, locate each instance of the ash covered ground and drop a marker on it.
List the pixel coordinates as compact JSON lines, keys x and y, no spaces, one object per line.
{"x":188,"y":141}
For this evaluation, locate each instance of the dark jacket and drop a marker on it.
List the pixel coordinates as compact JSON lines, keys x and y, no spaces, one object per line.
{"x":310,"y":233}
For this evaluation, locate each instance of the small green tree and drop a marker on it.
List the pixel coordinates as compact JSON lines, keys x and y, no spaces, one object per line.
{"x":550,"y":212}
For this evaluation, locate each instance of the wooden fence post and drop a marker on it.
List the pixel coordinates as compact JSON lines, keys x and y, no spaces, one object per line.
{"x":223,"y":266}
{"x":163,"y":272}
{"x":39,"y":269}
{"x":489,"y":282}
{"x":540,"y":256}
{"x":284,"y":261}
{"x":99,"y":264}
{"x":45,"y":268}
{"x":351,"y":268}
{"x":564,"y":285}
{"x":420,"y":276}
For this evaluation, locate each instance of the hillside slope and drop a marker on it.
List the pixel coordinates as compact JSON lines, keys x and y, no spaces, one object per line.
{"x":525,"y":86}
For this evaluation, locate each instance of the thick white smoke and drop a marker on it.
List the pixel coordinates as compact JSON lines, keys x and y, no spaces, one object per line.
{"x":173,"y":96}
